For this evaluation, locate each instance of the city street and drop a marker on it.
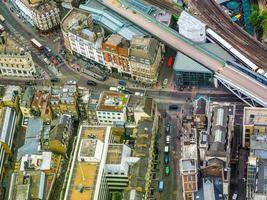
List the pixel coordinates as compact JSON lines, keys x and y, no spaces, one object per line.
{"x":169,"y":128}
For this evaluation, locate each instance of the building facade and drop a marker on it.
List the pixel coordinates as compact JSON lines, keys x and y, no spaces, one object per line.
{"x":46,"y":16}
{"x":254,"y":123}
{"x":144,"y":59}
{"x":116,"y":54}
{"x":81,"y":36}
{"x":17,"y":64}
{"x":25,"y":10}
{"x":111,"y":108}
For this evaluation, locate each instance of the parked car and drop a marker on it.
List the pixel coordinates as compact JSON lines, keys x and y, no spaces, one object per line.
{"x":54,"y":60}
{"x":122,"y":82}
{"x":127,"y":91}
{"x":92,"y":83}
{"x":59,"y":59}
{"x":54,"y":80}
{"x":168,"y":138}
{"x":167,"y":170}
{"x":173,"y":107}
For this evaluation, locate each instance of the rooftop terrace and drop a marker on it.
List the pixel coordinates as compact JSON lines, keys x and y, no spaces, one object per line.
{"x":112,"y":101}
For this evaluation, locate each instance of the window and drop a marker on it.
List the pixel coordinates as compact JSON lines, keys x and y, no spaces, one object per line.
{"x":119,"y":117}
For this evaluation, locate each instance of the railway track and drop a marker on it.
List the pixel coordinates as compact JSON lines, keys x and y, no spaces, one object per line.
{"x":166,"y":6}
{"x":215,"y":17}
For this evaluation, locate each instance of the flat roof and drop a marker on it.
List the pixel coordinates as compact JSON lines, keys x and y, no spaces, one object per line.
{"x":186,"y":64}
{"x":255,"y":116}
{"x":112,"y":101}
{"x":7,"y":124}
{"x":85,"y":176}
{"x":188,"y":164}
{"x":114,"y":154}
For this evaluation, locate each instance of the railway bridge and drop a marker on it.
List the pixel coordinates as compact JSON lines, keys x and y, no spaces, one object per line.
{"x":247,"y":89}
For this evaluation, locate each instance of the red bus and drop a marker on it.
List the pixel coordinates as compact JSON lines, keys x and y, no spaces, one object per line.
{"x":169,"y":62}
{"x":37,"y":44}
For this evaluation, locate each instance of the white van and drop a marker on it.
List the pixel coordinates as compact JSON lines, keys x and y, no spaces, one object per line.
{"x":168,"y":139}
{"x":166,"y":149}
{"x":234,"y":197}
{"x":114,"y":89}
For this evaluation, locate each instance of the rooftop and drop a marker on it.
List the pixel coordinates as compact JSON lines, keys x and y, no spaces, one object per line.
{"x":27,"y":97}
{"x":36,"y":162}
{"x":27,"y":184}
{"x":11,"y":91}
{"x":7,"y":124}
{"x":111,"y":20}
{"x":114,"y":154}
{"x":45,"y":7}
{"x":117,"y":40}
{"x":219,"y":128}
{"x":255,"y":116}
{"x":188,"y":165}
{"x":143,"y":47}
{"x":85,"y":174}
{"x":210,"y":188}
{"x":112,"y":101}
{"x":261,"y":183}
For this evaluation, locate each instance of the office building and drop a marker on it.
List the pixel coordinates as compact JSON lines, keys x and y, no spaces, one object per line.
{"x":189,"y":162}
{"x":87,"y":179}
{"x":81,"y":36}
{"x":144,"y":59}
{"x":64,"y":99}
{"x":17,"y":64}
{"x":254,"y":123}
{"x":116,"y":54}
{"x":111,"y":108}
{"x":45,"y":16}
{"x":117,"y":166}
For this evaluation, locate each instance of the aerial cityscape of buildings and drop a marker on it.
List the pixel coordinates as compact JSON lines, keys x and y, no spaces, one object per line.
{"x":133,"y":100}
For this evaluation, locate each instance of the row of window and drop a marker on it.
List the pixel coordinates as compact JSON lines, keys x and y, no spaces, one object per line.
{"x":108,"y":113}
{"x":104,"y":117}
{"x":14,"y":71}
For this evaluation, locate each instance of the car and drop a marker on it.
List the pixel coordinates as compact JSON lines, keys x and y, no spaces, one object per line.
{"x":48,"y":54}
{"x":168,"y":138}
{"x":173,"y":107}
{"x":235,"y":195}
{"x":54,"y":60}
{"x":127,"y":91}
{"x":54,"y":80}
{"x":166,"y":158}
{"x":161,"y":186}
{"x":47,"y":61}
{"x":165,"y":82}
{"x":139,"y":94}
{"x":167,"y":170}
{"x":120,"y":87}
{"x":59,"y":59}
{"x":92,"y":83}
{"x":122,"y":82}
